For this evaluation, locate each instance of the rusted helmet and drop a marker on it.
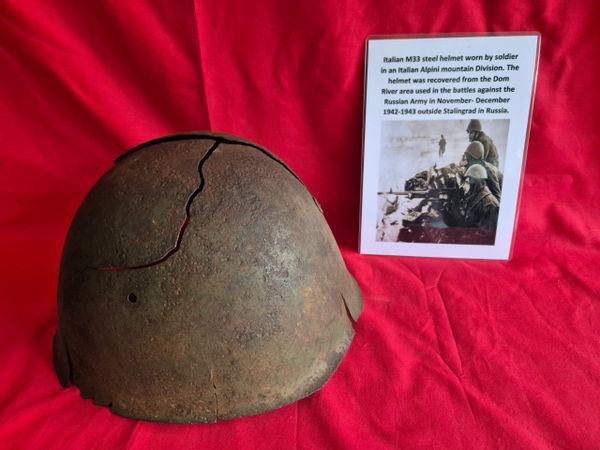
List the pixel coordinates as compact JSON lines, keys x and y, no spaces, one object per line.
{"x":200,"y":282}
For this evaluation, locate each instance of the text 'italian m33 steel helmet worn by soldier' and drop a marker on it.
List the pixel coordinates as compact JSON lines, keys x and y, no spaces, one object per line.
{"x":200,"y":282}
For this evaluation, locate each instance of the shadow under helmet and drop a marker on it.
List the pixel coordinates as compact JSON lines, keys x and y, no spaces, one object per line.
{"x":200,"y":282}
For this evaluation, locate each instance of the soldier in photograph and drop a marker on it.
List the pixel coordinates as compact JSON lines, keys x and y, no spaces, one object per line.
{"x":481,"y":207}
{"x":490,"y":153}
{"x":442,"y":144}
{"x":474,"y":154}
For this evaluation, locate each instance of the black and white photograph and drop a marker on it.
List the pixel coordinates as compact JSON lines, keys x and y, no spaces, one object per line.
{"x":445,"y":136}
{"x":440,"y":181}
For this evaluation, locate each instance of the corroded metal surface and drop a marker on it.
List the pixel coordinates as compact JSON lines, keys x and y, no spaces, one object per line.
{"x":201,"y":282}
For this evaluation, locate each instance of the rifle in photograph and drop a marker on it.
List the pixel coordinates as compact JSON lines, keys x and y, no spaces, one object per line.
{"x":436,"y":193}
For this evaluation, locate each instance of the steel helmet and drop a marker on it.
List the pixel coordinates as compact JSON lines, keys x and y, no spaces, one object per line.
{"x":476,"y":171}
{"x":475,"y":149}
{"x":200,"y":282}
{"x":474,"y":125}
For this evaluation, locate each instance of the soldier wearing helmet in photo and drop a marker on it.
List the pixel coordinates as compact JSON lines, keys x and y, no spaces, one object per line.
{"x":490,"y":153}
{"x":474,"y":155}
{"x":481,"y":207}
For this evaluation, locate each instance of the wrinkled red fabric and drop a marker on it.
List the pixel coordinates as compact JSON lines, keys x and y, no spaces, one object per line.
{"x":447,"y":354}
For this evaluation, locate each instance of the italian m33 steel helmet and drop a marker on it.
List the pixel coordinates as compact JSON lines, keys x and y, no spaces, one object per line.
{"x":200,"y":282}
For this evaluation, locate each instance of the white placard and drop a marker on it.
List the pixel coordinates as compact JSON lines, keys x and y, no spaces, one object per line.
{"x":421,"y":96}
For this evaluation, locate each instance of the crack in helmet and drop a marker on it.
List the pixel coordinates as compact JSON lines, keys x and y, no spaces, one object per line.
{"x":200,"y":282}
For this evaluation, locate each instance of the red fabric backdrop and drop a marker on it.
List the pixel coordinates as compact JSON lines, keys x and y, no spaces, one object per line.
{"x":448,"y":354}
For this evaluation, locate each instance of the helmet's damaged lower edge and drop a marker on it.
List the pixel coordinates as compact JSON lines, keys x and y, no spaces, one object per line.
{"x":194,"y":417}
{"x":62,"y":361}
{"x":333,"y":363}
